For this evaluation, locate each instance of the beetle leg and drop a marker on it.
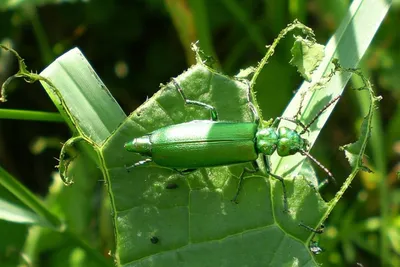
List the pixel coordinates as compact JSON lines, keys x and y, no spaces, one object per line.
{"x":268,"y":167}
{"x":137,"y":164}
{"x":322,"y":184}
{"x":318,"y":230}
{"x":285,"y":203}
{"x":213,"y":111}
{"x":302,"y":125}
{"x":185,"y":172}
{"x":252,"y":107}
{"x":171,"y":186}
{"x":294,"y":120}
{"x":245,"y":170}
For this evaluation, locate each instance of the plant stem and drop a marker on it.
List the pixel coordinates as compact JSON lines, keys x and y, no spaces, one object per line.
{"x":30,"y":115}
{"x":271,"y":50}
{"x":377,"y":149}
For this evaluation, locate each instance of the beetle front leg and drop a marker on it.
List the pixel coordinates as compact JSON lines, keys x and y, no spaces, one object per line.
{"x":213,"y":111}
{"x":267,"y":166}
{"x":245,"y":170}
{"x":285,"y":202}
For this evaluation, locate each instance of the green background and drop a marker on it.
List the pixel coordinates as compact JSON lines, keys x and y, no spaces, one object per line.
{"x":136,"y":45}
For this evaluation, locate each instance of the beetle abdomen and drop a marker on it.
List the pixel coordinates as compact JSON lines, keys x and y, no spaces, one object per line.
{"x":203,"y":154}
{"x":199,"y":144}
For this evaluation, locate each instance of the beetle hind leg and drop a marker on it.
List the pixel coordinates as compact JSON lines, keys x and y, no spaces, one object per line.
{"x":137,"y":164}
{"x":318,"y":230}
{"x":241,"y":178}
{"x":185,"y":172}
{"x":213,"y":111}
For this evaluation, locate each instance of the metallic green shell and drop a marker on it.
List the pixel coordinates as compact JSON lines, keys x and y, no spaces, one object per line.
{"x":290,"y":142}
{"x":198,"y":144}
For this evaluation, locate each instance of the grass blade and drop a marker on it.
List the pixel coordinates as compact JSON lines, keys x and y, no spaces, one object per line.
{"x":348,"y":44}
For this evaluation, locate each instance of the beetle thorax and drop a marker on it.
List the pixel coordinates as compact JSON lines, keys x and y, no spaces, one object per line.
{"x":290,"y":142}
{"x":141,"y":145}
{"x":266,"y":140}
{"x":285,"y":141}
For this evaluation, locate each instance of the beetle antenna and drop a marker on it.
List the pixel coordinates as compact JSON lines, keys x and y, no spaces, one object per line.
{"x":305,"y":153}
{"x":294,"y":120}
{"x":319,"y":114}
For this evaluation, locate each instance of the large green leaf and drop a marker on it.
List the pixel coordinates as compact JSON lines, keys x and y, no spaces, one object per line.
{"x":198,"y":218}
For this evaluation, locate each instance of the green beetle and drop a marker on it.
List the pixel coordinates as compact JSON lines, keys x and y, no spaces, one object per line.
{"x":211,"y":143}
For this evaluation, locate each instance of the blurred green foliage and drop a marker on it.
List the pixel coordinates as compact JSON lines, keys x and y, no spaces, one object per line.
{"x":136,"y":45}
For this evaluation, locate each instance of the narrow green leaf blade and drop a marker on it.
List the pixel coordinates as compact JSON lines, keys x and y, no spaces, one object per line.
{"x":14,"y":213}
{"x":82,"y":97}
{"x":348,"y":44}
